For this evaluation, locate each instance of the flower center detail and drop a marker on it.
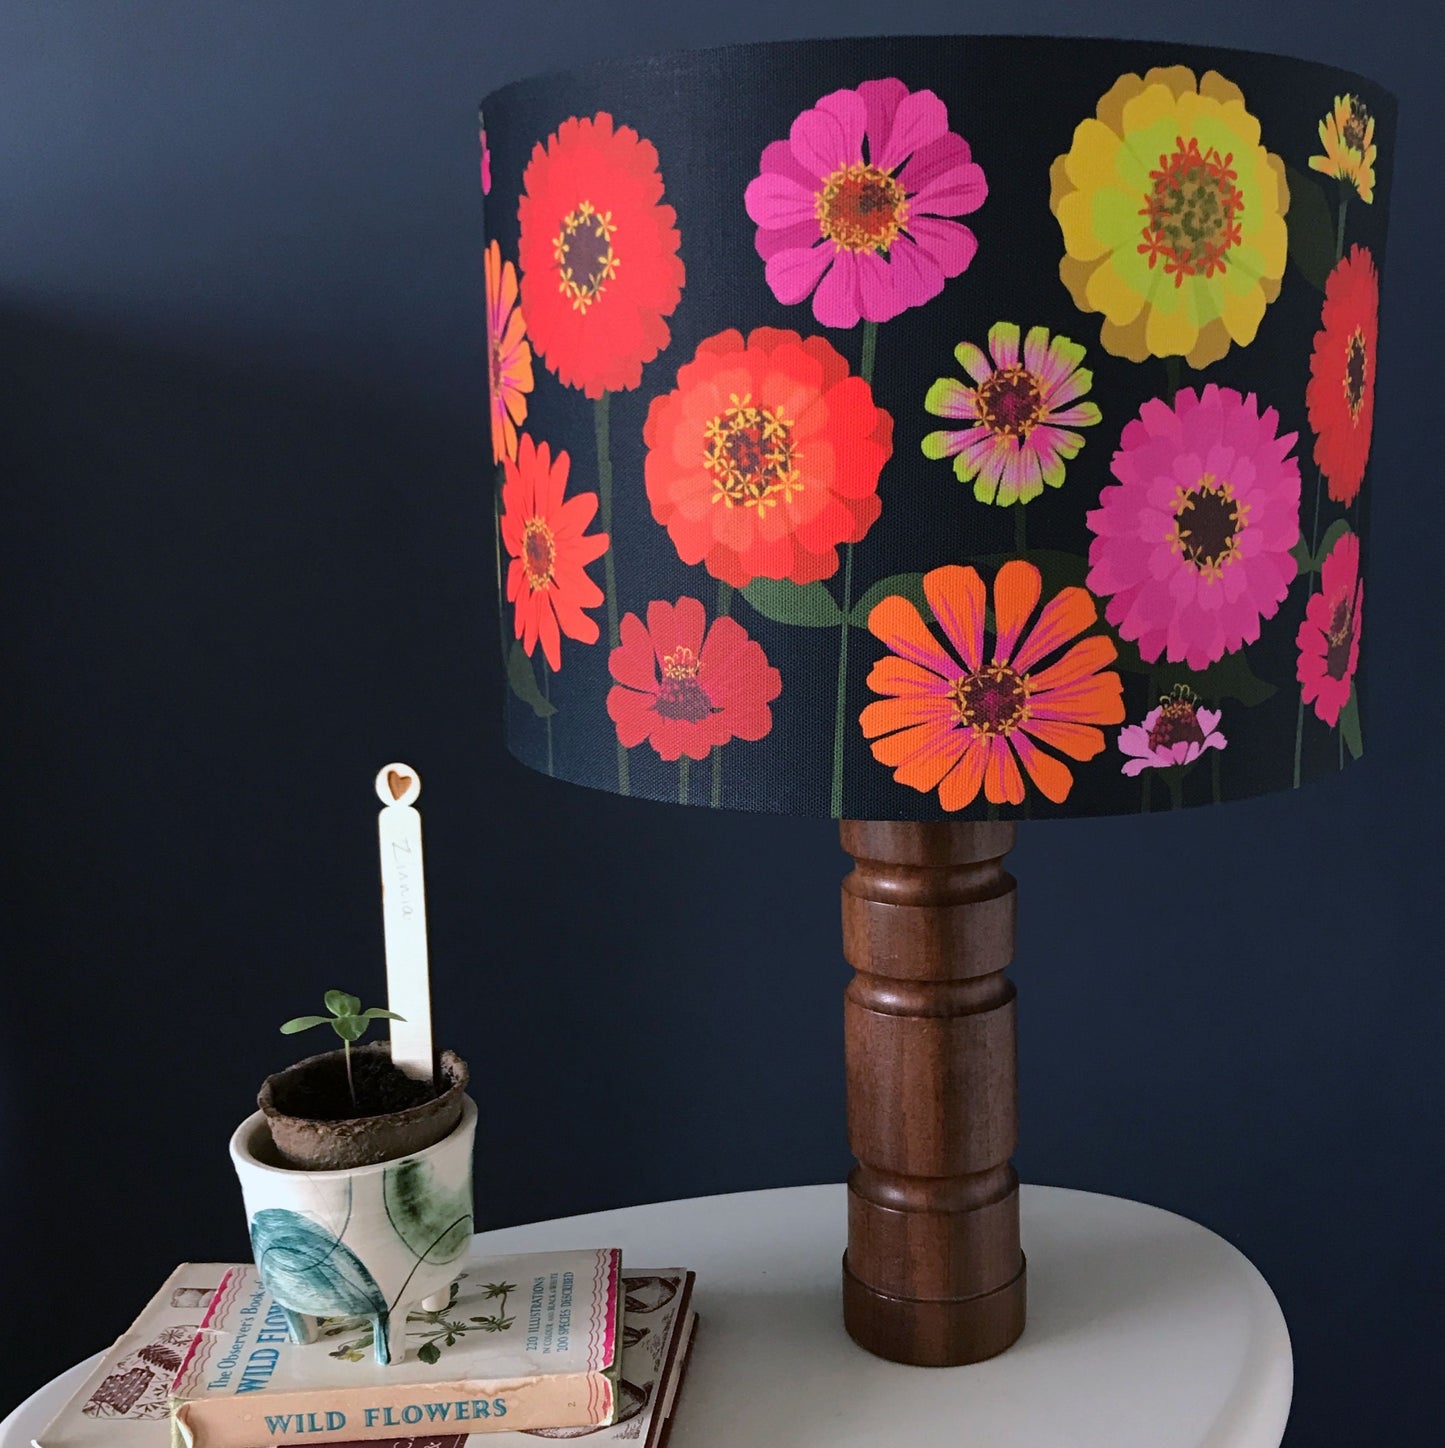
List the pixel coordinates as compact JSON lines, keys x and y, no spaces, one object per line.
{"x":750,"y":453}
{"x":1357,"y":371}
{"x":1339,"y":636}
{"x":681,"y":696}
{"x":1353,"y":130}
{"x":1178,"y":721}
{"x":1010,"y":401}
{"x":539,"y":553}
{"x":1208,"y":520}
{"x":861,"y":208}
{"x":1192,"y":213}
{"x":995,"y":700}
{"x":584,"y":255}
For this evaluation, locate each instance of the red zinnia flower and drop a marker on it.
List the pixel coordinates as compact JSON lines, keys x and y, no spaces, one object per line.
{"x":547,"y":579}
{"x":765,"y":457}
{"x":1341,"y":391}
{"x":685,"y":687}
{"x":1329,"y":637}
{"x":598,"y":251}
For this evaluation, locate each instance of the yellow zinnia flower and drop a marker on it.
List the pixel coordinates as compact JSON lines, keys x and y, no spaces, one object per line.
{"x":1173,"y":217}
{"x":1348,"y":136}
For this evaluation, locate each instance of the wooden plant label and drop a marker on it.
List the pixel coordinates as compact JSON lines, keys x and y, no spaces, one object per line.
{"x":403,"y":913}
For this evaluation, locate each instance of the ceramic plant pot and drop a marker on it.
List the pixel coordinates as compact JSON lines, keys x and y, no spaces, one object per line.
{"x":372,"y":1241}
{"x":314,"y":1126}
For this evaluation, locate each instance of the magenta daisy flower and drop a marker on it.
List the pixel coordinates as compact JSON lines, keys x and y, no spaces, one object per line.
{"x":1192,"y":548}
{"x":1018,"y":413}
{"x":1329,"y":635}
{"x":853,"y":207}
{"x":1176,"y":731}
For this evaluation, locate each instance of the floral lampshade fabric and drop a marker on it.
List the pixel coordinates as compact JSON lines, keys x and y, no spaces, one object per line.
{"x":934,"y":428}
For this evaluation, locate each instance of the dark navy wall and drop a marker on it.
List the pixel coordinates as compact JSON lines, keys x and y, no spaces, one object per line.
{"x":247,"y":559}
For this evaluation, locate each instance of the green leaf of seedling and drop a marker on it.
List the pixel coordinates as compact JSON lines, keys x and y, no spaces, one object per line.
{"x":1350,"y":725}
{"x":349,"y":1028}
{"x":341,"y":1004}
{"x":903,"y":585}
{"x":523,"y":682}
{"x":807,"y":605}
{"x":376,"y":1014}
{"x":1311,"y":228}
{"x":303,"y":1023}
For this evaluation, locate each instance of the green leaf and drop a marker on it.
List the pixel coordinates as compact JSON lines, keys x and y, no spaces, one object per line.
{"x":1229,"y":678}
{"x":376,"y":1014}
{"x":1311,"y":227}
{"x":524,"y":682}
{"x":303,"y":1023}
{"x":1303,"y":558}
{"x":1337,"y":530}
{"x":1350,"y":725}
{"x":807,"y":605}
{"x":905,"y":585}
{"x":429,"y":1352}
{"x":341,"y":1004}
{"x":349,"y":1028}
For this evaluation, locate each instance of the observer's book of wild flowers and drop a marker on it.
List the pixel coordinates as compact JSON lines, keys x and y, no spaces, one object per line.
{"x":525,"y":1342}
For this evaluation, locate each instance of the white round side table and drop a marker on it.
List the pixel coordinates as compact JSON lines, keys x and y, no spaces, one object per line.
{"x":1144,"y":1331}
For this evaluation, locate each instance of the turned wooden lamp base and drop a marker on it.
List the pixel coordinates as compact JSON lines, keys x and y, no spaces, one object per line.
{"x":934,"y":1274}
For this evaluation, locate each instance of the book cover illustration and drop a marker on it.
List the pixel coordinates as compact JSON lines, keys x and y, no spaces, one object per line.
{"x":657,"y":1323}
{"x":127,"y":1396}
{"x":526,"y":1341}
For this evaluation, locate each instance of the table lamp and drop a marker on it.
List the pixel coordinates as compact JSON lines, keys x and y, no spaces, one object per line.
{"x":932,"y":433}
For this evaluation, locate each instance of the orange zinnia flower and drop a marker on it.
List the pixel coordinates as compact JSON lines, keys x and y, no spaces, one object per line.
{"x":547,"y":580}
{"x":509,"y":355}
{"x":955,"y":723}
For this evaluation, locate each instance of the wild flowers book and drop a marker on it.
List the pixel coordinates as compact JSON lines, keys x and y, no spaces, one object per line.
{"x":658,"y":1325}
{"x":525,"y":1342}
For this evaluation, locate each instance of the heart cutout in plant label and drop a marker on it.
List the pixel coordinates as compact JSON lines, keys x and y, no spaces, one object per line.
{"x":398,"y":784}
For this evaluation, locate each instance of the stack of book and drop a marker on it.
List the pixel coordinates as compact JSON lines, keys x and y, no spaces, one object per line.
{"x":553,"y":1345}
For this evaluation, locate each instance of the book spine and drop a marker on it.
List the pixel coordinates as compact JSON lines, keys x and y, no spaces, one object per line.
{"x":568,"y":1400}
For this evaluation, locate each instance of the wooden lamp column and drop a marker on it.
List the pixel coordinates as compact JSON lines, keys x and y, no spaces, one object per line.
{"x":933,"y":1274}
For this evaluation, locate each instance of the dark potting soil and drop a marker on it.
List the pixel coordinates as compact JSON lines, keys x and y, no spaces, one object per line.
{"x":323,"y":1094}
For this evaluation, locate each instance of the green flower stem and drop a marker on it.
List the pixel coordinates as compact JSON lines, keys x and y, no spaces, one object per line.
{"x":682,"y":763}
{"x":724,"y":608}
{"x":1174,"y":778}
{"x":865,"y":371}
{"x":1340,"y":228}
{"x":1145,"y":804}
{"x":501,"y":576}
{"x":1171,"y":371}
{"x":1299,"y":719}
{"x":1021,"y":531}
{"x":547,"y":695}
{"x":1215,"y":791}
{"x":842,"y":702}
{"x":601,"y":417}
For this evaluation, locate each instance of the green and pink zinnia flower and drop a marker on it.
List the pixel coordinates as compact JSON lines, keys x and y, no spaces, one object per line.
{"x":854,"y":207}
{"x":1018,"y":414}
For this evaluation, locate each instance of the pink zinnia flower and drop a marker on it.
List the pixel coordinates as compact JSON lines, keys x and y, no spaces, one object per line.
{"x":1329,"y":636}
{"x":1192,"y":548}
{"x":1019,"y":414}
{"x":854,"y":203}
{"x":1176,"y":731}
